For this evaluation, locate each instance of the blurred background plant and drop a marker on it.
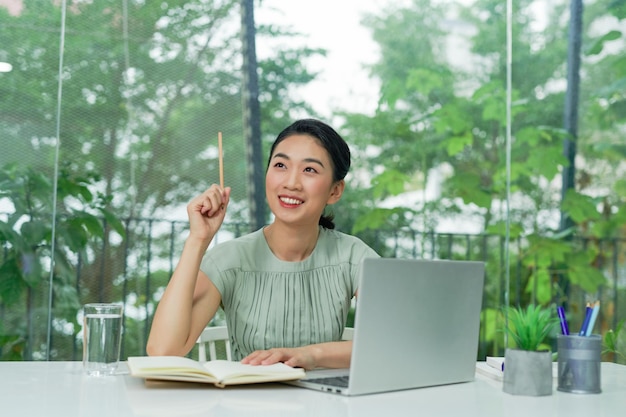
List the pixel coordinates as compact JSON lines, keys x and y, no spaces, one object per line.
{"x":615,"y":343}
{"x":26,"y":241}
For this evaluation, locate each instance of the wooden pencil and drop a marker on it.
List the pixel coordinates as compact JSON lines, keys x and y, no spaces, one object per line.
{"x":221,"y":158}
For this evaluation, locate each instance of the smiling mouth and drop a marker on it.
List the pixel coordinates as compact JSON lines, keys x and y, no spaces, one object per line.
{"x":291,"y":201}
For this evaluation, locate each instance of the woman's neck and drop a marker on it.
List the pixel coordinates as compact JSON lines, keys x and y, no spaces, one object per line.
{"x":291,"y":244}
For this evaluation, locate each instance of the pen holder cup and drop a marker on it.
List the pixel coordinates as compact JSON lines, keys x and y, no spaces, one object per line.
{"x":579,"y":364}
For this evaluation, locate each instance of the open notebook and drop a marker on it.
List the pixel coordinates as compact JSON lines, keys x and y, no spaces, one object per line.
{"x":417,"y":325}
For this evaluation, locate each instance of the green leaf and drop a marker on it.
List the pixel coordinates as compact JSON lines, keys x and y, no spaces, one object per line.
{"x":74,"y":234}
{"x":620,"y":187}
{"x":390,"y":182}
{"x":604,"y":229}
{"x":547,"y":162}
{"x":597,"y":47}
{"x":495,"y":111}
{"x":615,"y":342}
{"x":580,"y":207}
{"x":456,"y":144}
{"x":469,"y":188}
{"x":499,"y":228}
{"x":539,"y":284}
{"x":12,"y":283}
{"x":92,"y":224}
{"x":543,"y":252}
{"x":423,"y":80}
{"x":581,"y":272}
{"x":392,"y":91}
{"x":13,"y":346}
{"x":35,"y":231}
{"x":486,"y":91}
{"x":452,"y":118}
{"x":618,"y":9}
{"x":7,"y":234}
{"x":378,"y":218}
{"x":529,"y":135}
{"x":114,"y":222}
{"x":373,"y":219}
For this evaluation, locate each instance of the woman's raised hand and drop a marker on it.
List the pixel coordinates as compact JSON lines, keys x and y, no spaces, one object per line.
{"x":206,"y":212}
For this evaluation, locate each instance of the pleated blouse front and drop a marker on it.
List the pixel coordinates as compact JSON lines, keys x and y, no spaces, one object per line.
{"x":272,"y":303}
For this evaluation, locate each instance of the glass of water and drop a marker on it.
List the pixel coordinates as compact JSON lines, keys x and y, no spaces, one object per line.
{"x":102,"y":330}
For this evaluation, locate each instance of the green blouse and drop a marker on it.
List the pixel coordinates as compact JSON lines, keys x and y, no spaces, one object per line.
{"x":272,"y":303}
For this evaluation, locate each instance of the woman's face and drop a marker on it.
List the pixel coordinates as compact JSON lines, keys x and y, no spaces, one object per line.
{"x":299,"y":180}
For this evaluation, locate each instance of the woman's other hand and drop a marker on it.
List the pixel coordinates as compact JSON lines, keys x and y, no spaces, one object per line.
{"x":302,"y":357}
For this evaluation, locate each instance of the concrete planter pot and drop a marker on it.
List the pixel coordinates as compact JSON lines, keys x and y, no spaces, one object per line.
{"x":527,"y":372}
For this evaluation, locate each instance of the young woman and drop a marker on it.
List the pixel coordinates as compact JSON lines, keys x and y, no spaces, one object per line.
{"x":286,"y":288}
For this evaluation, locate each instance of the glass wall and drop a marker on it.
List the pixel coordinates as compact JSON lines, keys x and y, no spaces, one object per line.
{"x":456,"y":113}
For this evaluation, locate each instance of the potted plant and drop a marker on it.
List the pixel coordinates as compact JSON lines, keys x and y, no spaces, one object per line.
{"x":528,"y":365}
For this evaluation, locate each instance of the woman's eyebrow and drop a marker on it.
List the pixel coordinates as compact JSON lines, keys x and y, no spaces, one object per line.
{"x":310,"y":160}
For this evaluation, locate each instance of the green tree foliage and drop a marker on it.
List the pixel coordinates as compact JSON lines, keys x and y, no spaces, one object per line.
{"x":142,"y":107}
{"x":434,"y":116}
{"x":144,"y":94}
{"x":603,"y":122}
{"x":26,"y":242}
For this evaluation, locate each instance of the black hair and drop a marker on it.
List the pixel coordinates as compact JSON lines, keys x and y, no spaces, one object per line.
{"x":330,"y":140}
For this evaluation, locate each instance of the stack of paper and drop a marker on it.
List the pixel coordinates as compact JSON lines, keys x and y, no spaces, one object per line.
{"x":493,"y":367}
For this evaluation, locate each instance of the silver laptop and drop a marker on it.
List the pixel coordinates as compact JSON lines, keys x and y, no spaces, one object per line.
{"x":417,"y":325}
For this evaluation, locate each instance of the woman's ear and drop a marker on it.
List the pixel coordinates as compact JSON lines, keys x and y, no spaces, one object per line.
{"x":336,"y":192}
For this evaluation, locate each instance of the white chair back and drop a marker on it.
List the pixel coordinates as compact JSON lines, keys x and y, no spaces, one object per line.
{"x":210,"y":335}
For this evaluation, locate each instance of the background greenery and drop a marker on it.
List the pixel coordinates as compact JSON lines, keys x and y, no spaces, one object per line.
{"x":145,"y":92}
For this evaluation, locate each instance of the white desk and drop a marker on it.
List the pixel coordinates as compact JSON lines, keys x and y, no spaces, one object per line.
{"x":59,"y":389}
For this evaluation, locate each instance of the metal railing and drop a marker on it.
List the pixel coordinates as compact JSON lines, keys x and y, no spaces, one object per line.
{"x":135,"y":268}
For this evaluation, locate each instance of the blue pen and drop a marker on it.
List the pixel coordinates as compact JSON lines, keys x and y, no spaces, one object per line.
{"x":592,"y":320}
{"x":564,"y":328}
{"x":588,"y":311}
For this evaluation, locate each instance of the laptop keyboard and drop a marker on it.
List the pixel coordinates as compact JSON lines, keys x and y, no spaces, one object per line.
{"x":335,"y":381}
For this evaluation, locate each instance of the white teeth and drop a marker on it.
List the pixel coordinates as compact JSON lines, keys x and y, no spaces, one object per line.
{"x":290,"y":200}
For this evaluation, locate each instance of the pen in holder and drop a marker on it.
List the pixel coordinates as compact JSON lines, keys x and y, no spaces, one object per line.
{"x":579,"y":363}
